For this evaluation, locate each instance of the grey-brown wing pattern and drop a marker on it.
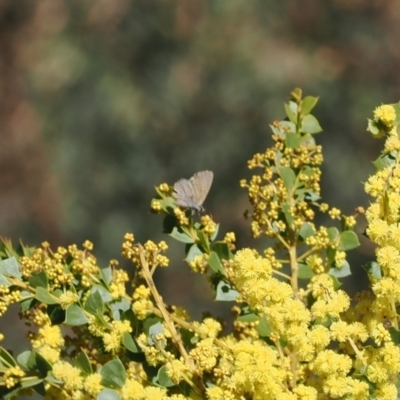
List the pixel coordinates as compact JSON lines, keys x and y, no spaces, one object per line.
{"x":192,"y":192}
{"x":201,"y":184}
{"x":183,"y":192}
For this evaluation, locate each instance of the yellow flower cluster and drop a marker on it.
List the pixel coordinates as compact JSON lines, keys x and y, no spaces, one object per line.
{"x":268,"y":192}
{"x":199,"y":264}
{"x":383,"y":229}
{"x":181,"y":217}
{"x":117,"y":286}
{"x":12,"y":376}
{"x":113,"y":338}
{"x":385,"y":114}
{"x":48,"y":342}
{"x":69,"y":375}
{"x":209,"y":225}
{"x":63,"y":266}
{"x":142,"y":305}
{"x":296,"y":334}
{"x":152,"y":252}
{"x":8,"y":297}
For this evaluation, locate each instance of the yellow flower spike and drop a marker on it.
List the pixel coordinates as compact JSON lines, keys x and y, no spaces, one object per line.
{"x":385,"y":391}
{"x":69,"y":375}
{"x":93,"y":384}
{"x":385,"y":114}
{"x":68,"y":298}
{"x":393,"y":142}
{"x":177,"y":371}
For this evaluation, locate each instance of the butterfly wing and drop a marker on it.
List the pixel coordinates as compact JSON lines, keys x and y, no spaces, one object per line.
{"x":201,"y":184}
{"x":183,"y":192}
{"x":191,"y":193}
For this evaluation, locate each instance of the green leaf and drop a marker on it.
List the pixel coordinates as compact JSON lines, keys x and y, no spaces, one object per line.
{"x":308,"y":141}
{"x":42,"y":364}
{"x":23,"y":358}
{"x":44,"y":296}
{"x":106,"y":275}
{"x":311,"y":196}
{"x":330,"y":255}
{"x":296,"y":94}
{"x":180,"y":236}
{"x":167,"y":203}
{"x":336,"y":283}
{"x":291,"y":111}
{"x":251,"y":317}
{"x":4,"y":281}
{"x":155,"y":330}
{"x":305,"y":271}
{"x":113,"y":374}
{"x":38,"y":279}
{"x":129,"y":342}
{"x":10,"y":267}
{"x":75,"y":316}
{"x":341,"y":272}
{"x":169,"y":223}
{"x":374,"y":269}
{"x":395,"y":335}
{"x":27,"y":302}
{"x":225,"y":292}
{"x":32,"y":381}
{"x":307,"y":104}
{"x":215,"y":263}
{"x":223,"y":251}
{"x":215,"y":234}
{"x":108,"y":394}
{"x":288,"y":216}
{"x":204,"y":242}
{"x":306,"y":230}
{"x":119,"y":306}
{"x":6,"y":358}
{"x":348,"y":241}
{"x":192,"y":252}
{"x":56,"y":314}
{"x":288,"y":177}
{"x":292,"y":140}
{"x":333,"y":234}
{"x":163,"y":379}
{"x":94,"y":304}
{"x":385,"y":160}
{"x":83,"y":363}
{"x":149,"y":322}
{"x":376,"y":129}
{"x":264,"y":328}
{"x":287,"y":126}
{"x":310,"y":124}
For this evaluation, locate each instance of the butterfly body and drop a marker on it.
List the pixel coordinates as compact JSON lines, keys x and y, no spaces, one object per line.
{"x":191,"y":193}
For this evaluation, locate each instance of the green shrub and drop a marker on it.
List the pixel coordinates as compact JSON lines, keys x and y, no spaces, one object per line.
{"x":296,"y":334}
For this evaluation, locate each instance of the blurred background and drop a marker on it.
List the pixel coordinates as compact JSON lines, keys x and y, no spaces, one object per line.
{"x":101,"y":100}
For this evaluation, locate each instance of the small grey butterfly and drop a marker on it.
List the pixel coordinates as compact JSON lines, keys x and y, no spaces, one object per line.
{"x":192,"y":192}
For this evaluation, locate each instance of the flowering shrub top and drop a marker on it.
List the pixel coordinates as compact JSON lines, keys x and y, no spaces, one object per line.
{"x":296,"y":334}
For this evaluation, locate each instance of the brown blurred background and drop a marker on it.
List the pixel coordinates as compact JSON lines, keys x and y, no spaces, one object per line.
{"x":101,"y":100}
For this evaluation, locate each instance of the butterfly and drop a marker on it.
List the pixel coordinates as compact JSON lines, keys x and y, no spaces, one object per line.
{"x":191,"y":193}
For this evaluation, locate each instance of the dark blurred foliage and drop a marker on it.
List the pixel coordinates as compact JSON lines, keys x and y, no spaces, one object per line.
{"x":101,"y":100}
